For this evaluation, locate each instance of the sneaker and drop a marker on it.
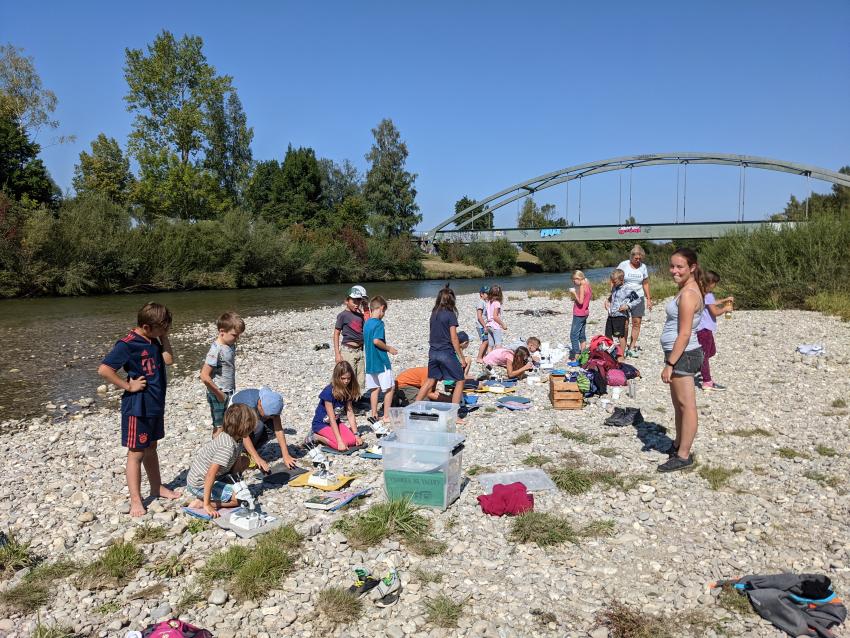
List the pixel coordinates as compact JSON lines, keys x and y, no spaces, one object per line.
{"x":673,"y":450}
{"x":676,"y":463}
{"x":363,"y":582}
{"x":373,"y":420}
{"x":634,"y":353}
{"x":387,"y":593}
{"x":379,"y":429}
{"x":713,"y":387}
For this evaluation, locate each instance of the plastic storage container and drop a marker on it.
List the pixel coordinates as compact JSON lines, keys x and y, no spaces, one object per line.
{"x":434,"y":416}
{"x":423,"y":466}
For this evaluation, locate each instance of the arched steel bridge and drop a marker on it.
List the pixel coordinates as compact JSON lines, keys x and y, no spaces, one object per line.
{"x":466,"y":233}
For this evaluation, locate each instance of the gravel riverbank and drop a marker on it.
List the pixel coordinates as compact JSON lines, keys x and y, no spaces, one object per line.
{"x":782,"y":428}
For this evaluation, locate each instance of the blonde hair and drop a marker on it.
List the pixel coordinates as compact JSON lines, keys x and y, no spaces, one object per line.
{"x":618,"y":276}
{"x":239,"y":421}
{"x":230,"y":321}
{"x":579,"y":275}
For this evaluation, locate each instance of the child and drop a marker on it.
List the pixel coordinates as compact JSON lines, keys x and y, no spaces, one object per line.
{"x":481,"y":318}
{"x":495,"y":325}
{"x":219,"y":370}
{"x":267,"y":406}
{"x":379,"y":374}
{"x":409,"y":382}
{"x":618,"y":304}
{"x":335,"y":402}
{"x":143,"y":354}
{"x":348,"y":334}
{"x":220,"y":456}
{"x":581,"y":295}
{"x":445,"y":356}
{"x":516,"y":362}
{"x":707,"y":327}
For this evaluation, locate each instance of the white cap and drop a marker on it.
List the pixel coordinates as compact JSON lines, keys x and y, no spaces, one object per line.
{"x":357,"y":292}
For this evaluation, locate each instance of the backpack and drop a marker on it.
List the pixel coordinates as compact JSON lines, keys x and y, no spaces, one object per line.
{"x":600,"y":339}
{"x":616,"y":377}
{"x":175,"y":628}
{"x":602,"y":362}
{"x":630,"y":371}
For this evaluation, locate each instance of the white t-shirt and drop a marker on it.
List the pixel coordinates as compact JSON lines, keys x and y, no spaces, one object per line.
{"x":634,"y":276}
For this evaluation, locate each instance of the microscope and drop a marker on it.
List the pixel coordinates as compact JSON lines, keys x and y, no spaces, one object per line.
{"x":321,"y":475}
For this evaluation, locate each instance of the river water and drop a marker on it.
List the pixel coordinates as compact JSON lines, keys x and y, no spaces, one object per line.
{"x":53,"y":346}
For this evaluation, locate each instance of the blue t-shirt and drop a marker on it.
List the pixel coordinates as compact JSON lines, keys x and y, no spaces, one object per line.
{"x":377,"y":360}
{"x":320,"y":419}
{"x":139,"y":356}
{"x":440,"y":338}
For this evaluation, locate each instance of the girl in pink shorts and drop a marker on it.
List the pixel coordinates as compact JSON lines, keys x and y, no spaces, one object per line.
{"x":334,"y":423}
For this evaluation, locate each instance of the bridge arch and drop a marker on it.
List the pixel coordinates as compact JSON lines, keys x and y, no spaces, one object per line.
{"x":528,"y":187}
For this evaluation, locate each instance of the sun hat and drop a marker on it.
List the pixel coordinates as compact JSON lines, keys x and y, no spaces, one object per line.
{"x":357,"y":292}
{"x":271,"y":400}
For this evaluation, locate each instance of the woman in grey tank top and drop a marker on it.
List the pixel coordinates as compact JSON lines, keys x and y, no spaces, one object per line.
{"x":683,"y":355}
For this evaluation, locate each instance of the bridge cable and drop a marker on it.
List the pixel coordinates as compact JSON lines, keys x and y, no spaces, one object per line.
{"x":678,"y":175}
{"x":740,"y":186}
{"x":630,"y":190}
{"x":685,"y":195}
{"x":579,"y":200}
{"x":620,"y":200}
{"x":567,"y":216}
{"x":809,"y":188}
{"x":744,"y":195}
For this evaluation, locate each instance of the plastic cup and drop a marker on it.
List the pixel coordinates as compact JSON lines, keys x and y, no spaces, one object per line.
{"x":397,"y":417}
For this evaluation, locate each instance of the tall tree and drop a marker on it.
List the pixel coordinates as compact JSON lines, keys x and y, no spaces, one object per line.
{"x":483,"y":222}
{"x":389,"y":188}
{"x":178,"y":100}
{"x":22,"y":96}
{"x":339,"y":181}
{"x":22,"y":175}
{"x":534,"y":216}
{"x":229,"y":156}
{"x":301,"y":187}
{"x":106,"y":171}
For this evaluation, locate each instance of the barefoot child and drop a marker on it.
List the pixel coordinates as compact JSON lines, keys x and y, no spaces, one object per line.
{"x":220,"y":456}
{"x":481,"y":319}
{"x":618,"y":304}
{"x":143,"y":355}
{"x":379,"y":374}
{"x":219,"y":370}
{"x":335,"y":404}
{"x":712,"y":308}
{"x":495,"y":325}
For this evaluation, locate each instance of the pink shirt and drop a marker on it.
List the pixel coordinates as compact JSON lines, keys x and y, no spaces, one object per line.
{"x":584,"y":309}
{"x":491,"y":313}
{"x":499,"y":357}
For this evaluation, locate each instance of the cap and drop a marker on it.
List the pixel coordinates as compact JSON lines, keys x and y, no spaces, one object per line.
{"x":357,"y":292}
{"x":484,"y":290}
{"x":462,"y":337}
{"x":271,"y":400}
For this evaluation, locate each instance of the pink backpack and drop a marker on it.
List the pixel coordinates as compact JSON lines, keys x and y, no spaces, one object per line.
{"x":616,"y":377}
{"x":178,"y":629}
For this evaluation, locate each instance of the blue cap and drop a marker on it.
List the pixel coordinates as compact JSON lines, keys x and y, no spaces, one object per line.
{"x":484,"y":290}
{"x":271,"y":400}
{"x":462,"y":337}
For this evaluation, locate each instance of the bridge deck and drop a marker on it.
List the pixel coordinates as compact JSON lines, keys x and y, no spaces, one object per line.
{"x":642,"y":232}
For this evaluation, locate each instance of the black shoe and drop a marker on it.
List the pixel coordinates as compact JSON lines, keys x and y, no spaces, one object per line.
{"x":672,"y":450}
{"x":676,"y":463}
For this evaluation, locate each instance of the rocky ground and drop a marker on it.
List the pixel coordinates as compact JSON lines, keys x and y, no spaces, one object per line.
{"x":782,"y":426}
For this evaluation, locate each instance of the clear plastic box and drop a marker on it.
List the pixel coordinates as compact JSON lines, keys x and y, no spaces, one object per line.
{"x":424,"y":466}
{"x":435,"y":416}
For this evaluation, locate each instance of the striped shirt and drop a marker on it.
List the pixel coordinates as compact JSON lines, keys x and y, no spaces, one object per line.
{"x":223,"y":450}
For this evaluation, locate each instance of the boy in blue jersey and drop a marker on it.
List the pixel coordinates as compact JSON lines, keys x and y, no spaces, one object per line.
{"x":379,"y":374}
{"x":143,"y":355}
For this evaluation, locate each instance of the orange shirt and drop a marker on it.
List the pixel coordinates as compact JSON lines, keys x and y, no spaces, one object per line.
{"x":412,"y":377}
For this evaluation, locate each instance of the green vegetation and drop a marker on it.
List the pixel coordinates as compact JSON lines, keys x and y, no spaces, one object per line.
{"x":825,"y":450}
{"x":831,"y":303}
{"x":607,"y":452}
{"x":338,"y":605}
{"x":791,"y":453}
{"x":425,"y":576}
{"x":36,"y":588}
{"x":15,"y":555}
{"x":603,"y":528}
{"x":394,"y":519}
{"x":579,"y":437}
{"x":115,"y":566}
{"x":731,"y":600}
{"x":479,"y":469}
{"x":53,"y":631}
{"x":746,"y":433}
{"x":196,"y":525}
{"x":251,"y":572}
{"x":444,"y":612}
{"x":542,"y":528}
{"x":574,"y":480}
{"x":839,"y":403}
{"x":625,"y":621}
{"x":823,"y":479}
{"x":108,"y":608}
{"x":537,"y":460}
{"x":169,"y":567}
{"x":522,"y":439}
{"x":717,"y":477}
{"x":146,"y":533}
{"x":496,"y":258}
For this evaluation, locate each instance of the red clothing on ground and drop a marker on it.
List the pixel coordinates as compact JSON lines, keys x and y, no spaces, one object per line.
{"x":510,"y":499}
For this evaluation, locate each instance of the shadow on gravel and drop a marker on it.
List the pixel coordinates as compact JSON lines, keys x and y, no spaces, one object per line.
{"x":654,"y":437}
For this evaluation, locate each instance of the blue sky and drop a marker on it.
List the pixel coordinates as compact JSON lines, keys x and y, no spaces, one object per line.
{"x":487,"y":94}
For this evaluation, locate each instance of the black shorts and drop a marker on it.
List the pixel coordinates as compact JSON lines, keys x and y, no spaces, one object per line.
{"x":688,"y":364}
{"x":615,"y":327}
{"x":139,"y":432}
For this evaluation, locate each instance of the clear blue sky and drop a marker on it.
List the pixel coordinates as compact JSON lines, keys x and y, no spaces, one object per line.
{"x":487,"y":94}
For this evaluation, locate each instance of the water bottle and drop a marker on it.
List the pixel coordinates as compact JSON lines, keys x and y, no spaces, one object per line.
{"x":632,"y":389}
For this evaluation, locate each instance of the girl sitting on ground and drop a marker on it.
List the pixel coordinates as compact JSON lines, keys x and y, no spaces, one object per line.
{"x":516,"y":362}
{"x":220,"y":456}
{"x":334,"y":423}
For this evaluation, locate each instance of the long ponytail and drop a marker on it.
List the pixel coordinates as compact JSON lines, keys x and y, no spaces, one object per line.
{"x":699,"y":276}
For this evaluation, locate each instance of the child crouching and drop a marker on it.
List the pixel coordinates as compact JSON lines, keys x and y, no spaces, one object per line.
{"x":334,"y":423}
{"x":218,"y":457}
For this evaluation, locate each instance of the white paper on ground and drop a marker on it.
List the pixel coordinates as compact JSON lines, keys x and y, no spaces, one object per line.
{"x":534,"y":480}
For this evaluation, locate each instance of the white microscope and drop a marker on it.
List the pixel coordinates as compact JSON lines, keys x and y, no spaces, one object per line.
{"x":321,"y":475}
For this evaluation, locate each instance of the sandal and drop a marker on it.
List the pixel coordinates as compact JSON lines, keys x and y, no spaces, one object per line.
{"x":363,"y":582}
{"x":388,"y":591}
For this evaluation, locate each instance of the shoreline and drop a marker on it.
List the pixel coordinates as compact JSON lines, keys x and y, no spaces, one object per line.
{"x":672,"y":534}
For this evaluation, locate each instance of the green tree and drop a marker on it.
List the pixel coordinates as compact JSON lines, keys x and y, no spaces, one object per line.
{"x":22,"y":96}
{"x":229,"y":156}
{"x":181,"y":119}
{"x":261,"y":195}
{"x":339,"y":181}
{"x":534,"y":216}
{"x":630,"y":221}
{"x":300,"y":188}
{"x":389,"y":188}
{"x":483,"y":222}
{"x":106,"y":171}
{"x":22,"y":175}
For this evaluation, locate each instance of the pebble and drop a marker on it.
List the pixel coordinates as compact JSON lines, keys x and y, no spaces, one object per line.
{"x":672,"y":534}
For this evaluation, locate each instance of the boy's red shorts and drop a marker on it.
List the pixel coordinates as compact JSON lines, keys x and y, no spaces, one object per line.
{"x":138,"y":432}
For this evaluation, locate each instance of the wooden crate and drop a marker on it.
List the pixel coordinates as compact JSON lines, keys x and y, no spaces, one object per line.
{"x":565,"y":395}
